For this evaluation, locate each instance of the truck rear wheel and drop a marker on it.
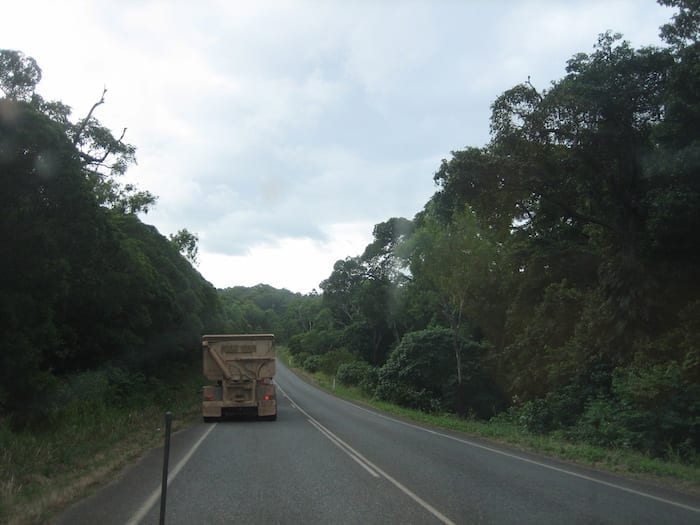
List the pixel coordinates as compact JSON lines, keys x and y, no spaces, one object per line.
{"x":210,"y":419}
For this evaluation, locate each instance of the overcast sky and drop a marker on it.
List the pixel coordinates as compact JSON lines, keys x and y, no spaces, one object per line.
{"x":280,"y":132}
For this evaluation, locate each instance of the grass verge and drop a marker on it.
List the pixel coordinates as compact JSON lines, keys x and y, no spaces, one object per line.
{"x":46,"y":469}
{"x":629,"y":463}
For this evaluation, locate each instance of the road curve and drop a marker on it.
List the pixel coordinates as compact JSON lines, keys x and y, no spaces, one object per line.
{"x":329,"y":461}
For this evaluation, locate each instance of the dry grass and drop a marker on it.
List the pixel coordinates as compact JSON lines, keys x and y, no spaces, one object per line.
{"x":48,"y":495}
{"x":42,"y":472}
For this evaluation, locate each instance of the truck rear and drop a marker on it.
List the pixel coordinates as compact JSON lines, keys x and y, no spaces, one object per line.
{"x":243,"y":366}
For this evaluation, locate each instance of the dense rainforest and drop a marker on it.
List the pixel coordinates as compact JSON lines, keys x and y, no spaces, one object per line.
{"x":552,"y":280}
{"x":94,"y":304}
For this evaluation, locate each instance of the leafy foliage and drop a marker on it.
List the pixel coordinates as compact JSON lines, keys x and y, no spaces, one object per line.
{"x":264,"y":309}
{"x":186,"y":243}
{"x":85,"y":287}
{"x":358,"y":373}
{"x":422,"y":372}
{"x":19,"y":74}
{"x":558,"y":265}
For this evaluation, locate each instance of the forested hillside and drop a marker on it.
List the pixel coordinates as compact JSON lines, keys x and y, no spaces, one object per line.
{"x":94,"y":304}
{"x":553,"y":279}
{"x":264,"y":309}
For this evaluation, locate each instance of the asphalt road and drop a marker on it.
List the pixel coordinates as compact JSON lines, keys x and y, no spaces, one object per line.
{"x":329,"y":461}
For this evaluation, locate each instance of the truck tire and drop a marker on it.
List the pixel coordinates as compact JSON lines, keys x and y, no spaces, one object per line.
{"x":210,"y":419}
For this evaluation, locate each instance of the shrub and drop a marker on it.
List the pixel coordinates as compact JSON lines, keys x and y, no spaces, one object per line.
{"x":330,"y":361}
{"x":658,"y":406}
{"x":298,"y":359}
{"x":406,"y":395}
{"x":312,"y":363}
{"x":417,"y":370}
{"x":600,"y":425}
{"x":358,"y":373}
{"x":421,"y":372}
{"x":351,"y":374}
{"x":651,"y":408}
{"x":557,"y":410}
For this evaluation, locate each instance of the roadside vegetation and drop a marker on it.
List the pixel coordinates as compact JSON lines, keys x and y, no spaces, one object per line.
{"x":99,"y":312}
{"x":547,"y":294}
{"x":552,"y":282}
{"x":503,"y":428}
{"x":86,"y":441}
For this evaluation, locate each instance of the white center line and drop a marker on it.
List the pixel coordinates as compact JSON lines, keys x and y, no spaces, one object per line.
{"x":432,"y":510}
{"x":342,"y":446}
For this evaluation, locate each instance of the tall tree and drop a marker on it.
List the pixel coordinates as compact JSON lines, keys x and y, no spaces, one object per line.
{"x":186,"y":243}
{"x":19,"y":75}
{"x":82,"y":283}
{"x":462,"y":267}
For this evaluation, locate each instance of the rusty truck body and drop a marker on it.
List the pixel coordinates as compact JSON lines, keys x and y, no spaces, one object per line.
{"x":243,"y":366}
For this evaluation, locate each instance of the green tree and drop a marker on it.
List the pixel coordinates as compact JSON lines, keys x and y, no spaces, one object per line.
{"x":19,"y":75}
{"x":383,"y":255}
{"x":104,"y":156}
{"x":461,"y":266}
{"x":421,"y":373}
{"x":186,"y":243}
{"x":83,"y":285}
{"x":262,"y":308}
{"x":340,"y":288}
{"x":684,"y":29}
{"x":48,"y":210}
{"x":303,"y":313}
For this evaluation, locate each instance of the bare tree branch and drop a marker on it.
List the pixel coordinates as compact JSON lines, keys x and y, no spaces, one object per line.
{"x":87,"y":119}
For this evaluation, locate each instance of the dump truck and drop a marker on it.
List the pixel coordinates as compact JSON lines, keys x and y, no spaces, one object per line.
{"x":243,"y":366}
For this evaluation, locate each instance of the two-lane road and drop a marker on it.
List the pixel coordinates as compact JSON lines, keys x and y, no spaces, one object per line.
{"x":329,"y":461}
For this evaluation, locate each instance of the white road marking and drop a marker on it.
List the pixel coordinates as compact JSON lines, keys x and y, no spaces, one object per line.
{"x":155,"y":496}
{"x":532,"y":461}
{"x":432,"y":510}
{"x":342,"y":446}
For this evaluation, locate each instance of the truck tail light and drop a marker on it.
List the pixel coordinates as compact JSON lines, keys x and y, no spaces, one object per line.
{"x":267,"y":397}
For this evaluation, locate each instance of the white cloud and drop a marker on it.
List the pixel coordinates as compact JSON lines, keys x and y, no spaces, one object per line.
{"x":265,"y":126}
{"x":298,"y":264}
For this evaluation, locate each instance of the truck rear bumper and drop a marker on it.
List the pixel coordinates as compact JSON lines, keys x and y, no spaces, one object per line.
{"x":239,"y":411}
{"x":215,"y":409}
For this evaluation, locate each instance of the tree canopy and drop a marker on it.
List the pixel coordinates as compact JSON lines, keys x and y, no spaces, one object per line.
{"x":84,"y":283}
{"x":565,"y":250}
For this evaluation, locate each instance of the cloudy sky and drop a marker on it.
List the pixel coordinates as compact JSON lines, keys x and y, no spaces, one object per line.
{"x":281,"y":131}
